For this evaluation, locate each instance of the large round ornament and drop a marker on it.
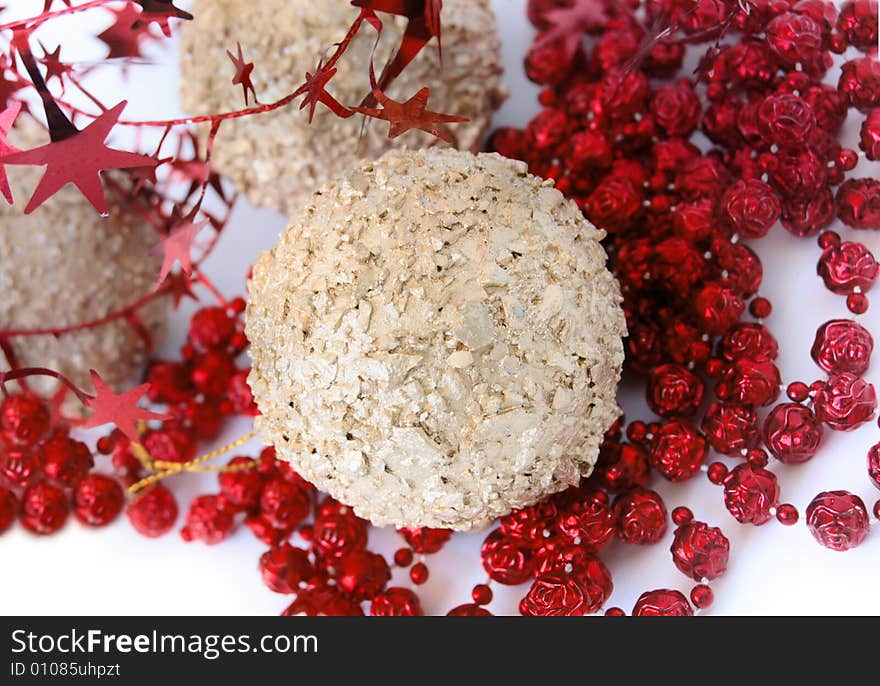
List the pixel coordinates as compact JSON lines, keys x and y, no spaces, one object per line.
{"x":436,"y":339}
{"x":278,"y":158}
{"x":64,"y":265}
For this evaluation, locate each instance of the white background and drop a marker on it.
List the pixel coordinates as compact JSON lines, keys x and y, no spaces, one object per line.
{"x":773,"y":570}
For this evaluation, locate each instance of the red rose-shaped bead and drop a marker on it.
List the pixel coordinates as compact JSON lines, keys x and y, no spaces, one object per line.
{"x":869,"y":138}
{"x":468,"y":610}
{"x":750,"y":493}
{"x":808,"y":216}
{"x":700,"y":551}
{"x":362,"y":574}
{"x":338,"y":533}
{"x":210,"y":329}
{"x":44,"y":508}
{"x":860,"y":83}
{"x":858,"y":23}
{"x":396,"y":602}
{"x":676,"y":108}
{"x":628,"y":469}
{"x":8,"y":508}
{"x":740,"y":269}
{"x":786,"y":120}
{"x":242,"y":488}
{"x":749,"y":382}
{"x":796,"y":174}
{"x":753,"y":341}
{"x":874,"y":464}
{"x":751,"y":208}
{"x":704,"y":177}
{"x":858,"y":203}
{"x":845,"y":401}
{"x":847,"y":266}
{"x":24,"y":419}
{"x":284,"y":504}
{"x":838,"y":520}
{"x":674,"y":391}
{"x":170,"y":444}
{"x":283,"y":567}
{"x":794,"y":38}
{"x":731,"y":428}
{"x":326,"y":601}
{"x":641,"y":516}
{"x":662,"y":603}
{"x":589,"y":521}
{"x":98,"y":500}
{"x":614,"y":204}
{"x":505,"y":561}
{"x":65,"y":461}
{"x":792,"y":433}
{"x":19,"y":465}
{"x":568,"y":595}
{"x":678,"y":451}
{"x":425,"y":540}
{"x":842,"y":345}
{"x":209,"y":519}
{"x":169,"y":383}
{"x":718,"y":308}
{"x":153,"y":513}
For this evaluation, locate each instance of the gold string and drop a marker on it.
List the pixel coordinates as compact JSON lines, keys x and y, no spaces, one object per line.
{"x":167,"y":469}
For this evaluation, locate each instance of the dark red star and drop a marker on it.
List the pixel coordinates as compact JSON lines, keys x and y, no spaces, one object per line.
{"x":54,"y":66}
{"x":120,"y":409}
{"x":179,"y":286}
{"x":315,"y":91}
{"x":79,"y":160}
{"x":159,"y":11}
{"x":122,"y":37}
{"x":243,"y":72}
{"x":412,"y":114}
{"x":569,"y":24}
{"x":7,"y":119}
{"x":176,"y":247}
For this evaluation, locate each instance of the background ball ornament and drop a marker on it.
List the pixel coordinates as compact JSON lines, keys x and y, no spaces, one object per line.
{"x":64,"y":265}
{"x":436,"y":340}
{"x":278,"y":158}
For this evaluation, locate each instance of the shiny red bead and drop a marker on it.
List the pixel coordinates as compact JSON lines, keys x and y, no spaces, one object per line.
{"x":874,"y":464}
{"x":842,"y":345}
{"x":505,"y":561}
{"x":98,"y":500}
{"x":858,"y":23}
{"x":787,"y":515}
{"x":629,"y":468}
{"x":869,"y":135}
{"x":750,"y":493}
{"x":731,"y":428}
{"x":469,"y":610}
{"x":702,"y":596}
{"x":425,"y":540}
{"x":326,"y":601}
{"x":792,"y":433}
{"x":718,"y":308}
{"x":750,"y":382}
{"x":482,"y":594}
{"x":753,"y":341}
{"x":678,"y":451}
{"x":211,"y":329}
{"x":682,"y":515}
{"x":209,"y":520}
{"x":838,"y":520}
{"x":859,"y":83}
{"x":339,"y":533}
{"x":641,"y":517}
{"x":153,"y":513}
{"x":662,"y":603}
{"x":568,"y":595}
{"x":8,"y":508}
{"x":283,"y":504}
{"x":170,"y":444}
{"x":700,"y":551}
{"x":858,"y":203}
{"x":785,"y":120}
{"x":264,"y":531}
{"x":24,"y":419}
{"x":396,"y":602}
{"x":242,"y":488}
{"x":845,"y":402}
{"x":751,"y":208}
{"x":418,"y":573}
{"x":65,"y":461}
{"x":676,"y":108}
{"x":284,"y":567}
{"x":403,"y":557}
{"x":44,"y":508}
{"x":19,"y":465}
{"x":674,"y":391}
{"x":717,"y":473}
{"x":589,"y":521}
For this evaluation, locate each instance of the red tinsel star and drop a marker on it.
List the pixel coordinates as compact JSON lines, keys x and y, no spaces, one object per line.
{"x":243,"y":72}
{"x":176,"y":248}
{"x":159,"y":11}
{"x":120,"y":409}
{"x":79,"y":160}
{"x":122,"y":37}
{"x":412,"y":114}
{"x":54,"y":66}
{"x":7,"y":119}
{"x":569,"y":24}
{"x":315,"y":92}
{"x":179,"y":286}
{"x":423,"y":24}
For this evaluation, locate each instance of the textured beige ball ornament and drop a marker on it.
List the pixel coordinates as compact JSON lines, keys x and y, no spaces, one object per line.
{"x":436,"y":339}
{"x":277,"y":158}
{"x":64,"y":265}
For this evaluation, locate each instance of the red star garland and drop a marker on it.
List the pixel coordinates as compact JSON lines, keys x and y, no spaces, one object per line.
{"x":120,"y":409}
{"x":315,"y":91}
{"x":176,"y":248}
{"x":7,"y":118}
{"x":179,"y":287}
{"x":412,"y":114}
{"x":54,"y":66}
{"x":159,"y":11}
{"x":568,"y":24}
{"x":122,"y":37}
{"x":79,"y":160}
{"x":243,"y":72}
